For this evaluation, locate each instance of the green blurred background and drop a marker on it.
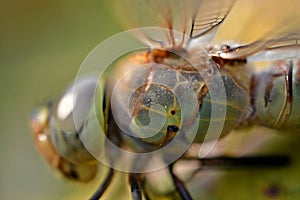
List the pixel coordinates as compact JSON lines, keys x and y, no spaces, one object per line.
{"x":42,"y":44}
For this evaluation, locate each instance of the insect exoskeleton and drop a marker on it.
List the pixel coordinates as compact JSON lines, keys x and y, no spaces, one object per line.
{"x":157,"y":94}
{"x":58,"y":129}
{"x":276,"y":93}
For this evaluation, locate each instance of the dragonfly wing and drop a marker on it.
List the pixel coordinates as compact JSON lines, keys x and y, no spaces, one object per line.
{"x":279,"y":50}
{"x":262,"y":50}
{"x":193,"y":18}
{"x":209,"y":16}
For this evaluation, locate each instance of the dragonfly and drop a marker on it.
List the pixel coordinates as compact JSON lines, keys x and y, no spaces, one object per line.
{"x":181,"y":93}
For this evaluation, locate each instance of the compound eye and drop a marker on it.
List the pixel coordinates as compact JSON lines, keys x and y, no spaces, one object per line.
{"x":70,"y":121}
{"x":75,"y":104}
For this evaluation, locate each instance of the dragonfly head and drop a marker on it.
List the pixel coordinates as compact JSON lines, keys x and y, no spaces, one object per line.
{"x":56,"y":135}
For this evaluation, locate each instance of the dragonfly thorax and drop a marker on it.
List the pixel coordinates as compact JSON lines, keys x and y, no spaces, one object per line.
{"x":158,"y":95}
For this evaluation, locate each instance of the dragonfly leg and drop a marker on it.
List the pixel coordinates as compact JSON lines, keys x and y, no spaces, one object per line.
{"x":179,"y":185}
{"x":224,"y":162}
{"x":99,"y":192}
{"x":135,"y":184}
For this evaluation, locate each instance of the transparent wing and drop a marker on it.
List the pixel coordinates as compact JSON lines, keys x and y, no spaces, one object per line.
{"x":192,"y":17}
{"x":279,"y":48}
{"x":209,"y":16}
{"x":262,"y":30}
{"x":285,"y":49}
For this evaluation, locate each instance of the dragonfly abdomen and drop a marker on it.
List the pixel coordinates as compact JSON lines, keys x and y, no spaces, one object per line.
{"x":275,"y":94}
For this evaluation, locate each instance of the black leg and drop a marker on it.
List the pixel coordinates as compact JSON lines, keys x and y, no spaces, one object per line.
{"x":136,"y":191}
{"x":224,"y":162}
{"x":183,"y":192}
{"x":103,"y":186}
{"x":242,"y":162}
